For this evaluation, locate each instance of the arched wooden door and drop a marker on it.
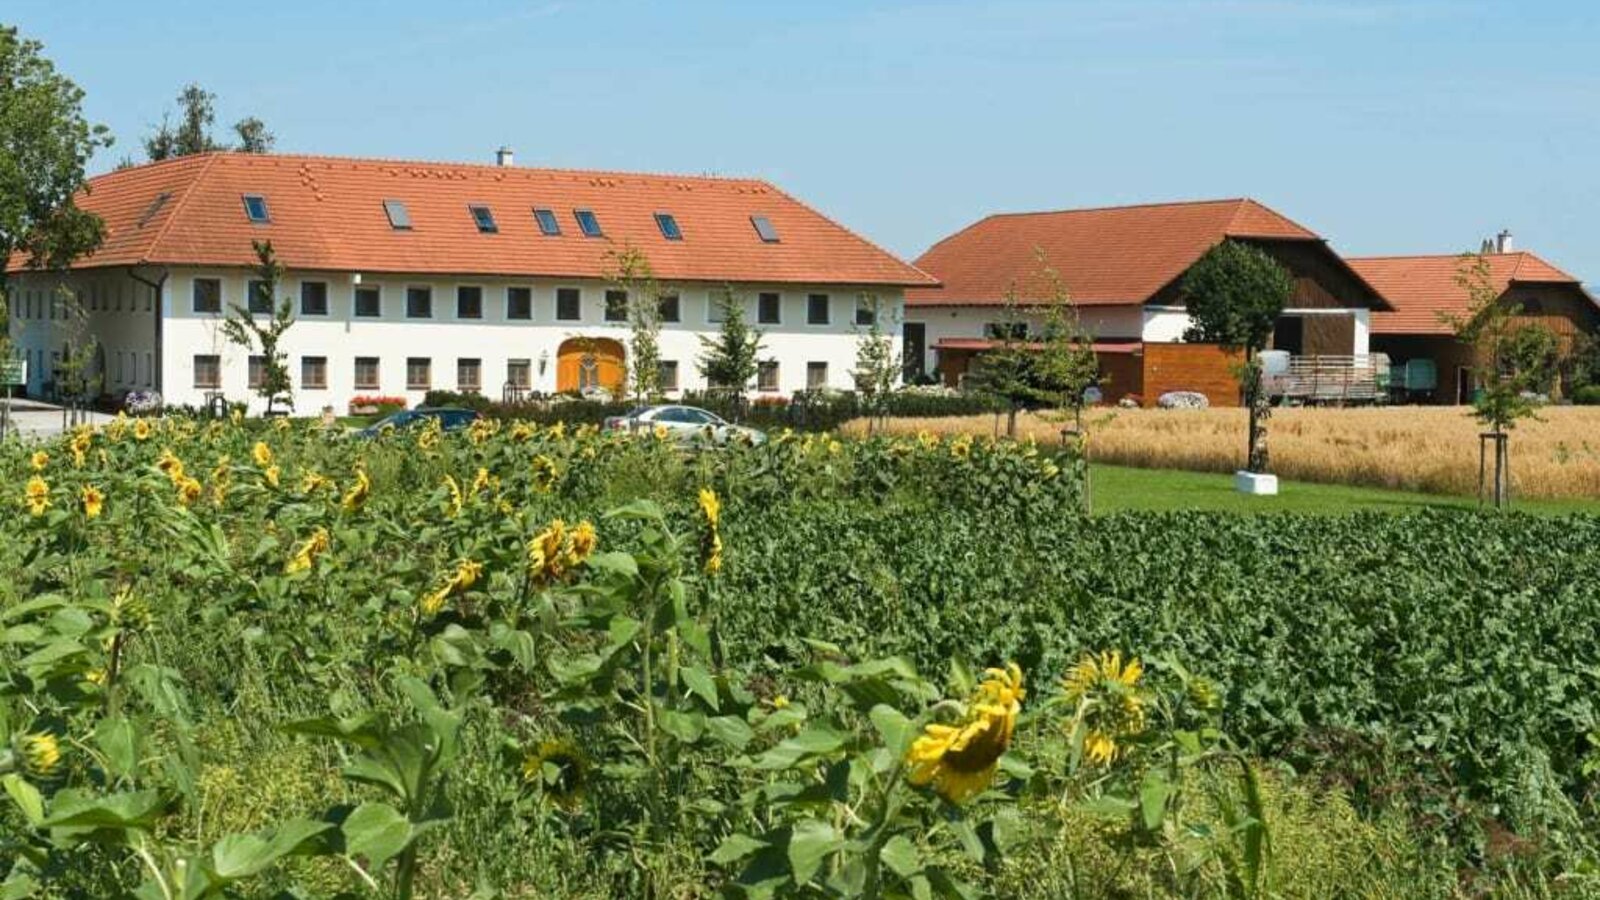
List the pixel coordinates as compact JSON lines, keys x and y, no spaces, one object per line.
{"x":586,"y":363}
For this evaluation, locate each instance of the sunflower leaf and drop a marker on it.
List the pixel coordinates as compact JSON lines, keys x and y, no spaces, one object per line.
{"x":893,"y":726}
{"x":736,"y":847}
{"x":810,"y":842}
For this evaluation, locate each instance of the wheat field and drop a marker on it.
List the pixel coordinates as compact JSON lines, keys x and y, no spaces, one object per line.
{"x":1420,"y":448}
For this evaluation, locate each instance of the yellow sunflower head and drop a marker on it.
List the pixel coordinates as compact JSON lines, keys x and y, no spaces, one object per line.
{"x":36,"y":496}
{"x":583,"y":542}
{"x":453,"y":500}
{"x":141,"y":430}
{"x":261,"y":454}
{"x":38,"y":753}
{"x":94,"y":500}
{"x":306,"y":554}
{"x":1110,"y":703}
{"x":959,"y":760}
{"x":39,"y":460}
{"x":545,"y":473}
{"x":559,"y":770}
{"x":188,"y":490}
{"x":356,"y":497}
{"x":271,"y":474}
{"x":710,"y":507}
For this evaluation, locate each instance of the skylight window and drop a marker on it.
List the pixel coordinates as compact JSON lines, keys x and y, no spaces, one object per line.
{"x":485,"y":219}
{"x":587,"y":223}
{"x":154,"y":207}
{"x":399,"y":216}
{"x":764,"y":228}
{"x":669,"y":226}
{"x":548,"y":224}
{"x":255,"y":207}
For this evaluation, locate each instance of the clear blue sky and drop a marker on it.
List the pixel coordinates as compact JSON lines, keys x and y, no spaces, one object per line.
{"x":1388,"y":127}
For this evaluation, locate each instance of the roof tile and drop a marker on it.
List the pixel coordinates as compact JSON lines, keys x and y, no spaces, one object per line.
{"x":1423,"y":289}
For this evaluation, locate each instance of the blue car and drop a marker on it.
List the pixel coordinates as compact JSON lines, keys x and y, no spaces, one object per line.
{"x":449,"y":419}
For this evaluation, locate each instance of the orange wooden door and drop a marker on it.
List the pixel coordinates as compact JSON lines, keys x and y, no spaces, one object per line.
{"x":584,"y":363}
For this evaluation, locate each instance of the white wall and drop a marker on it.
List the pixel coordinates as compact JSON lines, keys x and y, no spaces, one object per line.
{"x":116,"y":309}
{"x":494,"y":339}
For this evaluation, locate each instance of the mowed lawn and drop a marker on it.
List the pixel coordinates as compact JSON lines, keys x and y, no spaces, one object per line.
{"x":1116,"y":488}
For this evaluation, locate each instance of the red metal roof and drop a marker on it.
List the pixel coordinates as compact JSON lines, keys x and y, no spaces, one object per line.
{"x":1111,"y":256}
{"x":327,"y":213}
{"x":1422,"y":288}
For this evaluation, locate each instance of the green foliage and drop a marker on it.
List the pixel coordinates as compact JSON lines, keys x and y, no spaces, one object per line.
{"x":242,"y":329}
{"x":1234,"y":295}
{"x":629,"y":270}
{"x":192,"y":134}
{"x":47,"y":143}
{"x":730,"y":360}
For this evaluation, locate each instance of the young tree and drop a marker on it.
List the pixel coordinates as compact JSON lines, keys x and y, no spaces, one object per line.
{"x":44,"y":144}
{"x":1506,"y":364}
{"x":629,"y":270}
{"x":731,"y":359}
{"x":1065,"y":367}
{"x":1007,"y":372}
{"x":1234,"y":295}
{"x":254,"y":136}
{"x":877,"y":369}
{"x":264,"y":338}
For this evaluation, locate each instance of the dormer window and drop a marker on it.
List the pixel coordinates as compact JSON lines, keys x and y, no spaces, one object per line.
{"x":764,"y":228}
{"x":484,"y":218}
{"x":255,"y":208}
{"x":399,"y":216}
{"x":669,"y":226}
{"x":587,"y":223}
{"x":548,"y":224}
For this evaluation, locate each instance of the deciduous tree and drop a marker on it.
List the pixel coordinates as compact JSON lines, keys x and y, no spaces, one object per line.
{"x":877,"y":369}
{"x":1234,"y":295}
{"x":263,"y":338}
{"x":730,"y":360}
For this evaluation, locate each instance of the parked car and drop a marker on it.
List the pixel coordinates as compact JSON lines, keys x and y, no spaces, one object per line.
{"x":449,"y":419}
{"x":684,"y":423}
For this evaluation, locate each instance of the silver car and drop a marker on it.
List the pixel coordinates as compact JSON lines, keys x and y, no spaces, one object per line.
{"x":685,"y":424}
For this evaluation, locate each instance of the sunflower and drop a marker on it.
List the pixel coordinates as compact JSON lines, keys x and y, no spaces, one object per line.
{"x":482,"y":429}
{"x":169,"y":464}
{"x":271,"y":473}
{"x":583,"y":542}
{"x":188,"y":489}
{"x":559,"y":769}
{"x":39,"y":460}
{"x":521,"y":432}
{"x":712,"y":551}
{"x":453,"y":502}
{"x":1111,"y":705}
{"x":710,"y":507}
{"x":39,"y":753}
{"x":312,"y":482}
{"x":141,"y":430}
{"x":557,"y":431}
{"x":959,"y":760}
{"x":81,"y":441}
{"x":482,"y":481}
{"x":465,"y":576}
{"x":356,"y":497}
{"x":545,"y":473}
{"x":661,"y":432}
{"x":93,"y":499}
{"x":546,"y":552}
{"x":961,"y":447}
{"x":36,"y":496}
{"x":308,"y":551}
{"x":262,"y":454}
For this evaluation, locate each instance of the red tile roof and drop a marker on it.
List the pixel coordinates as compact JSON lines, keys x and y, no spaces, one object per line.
{"x":327,"y":213}
{"x":1111,"y":256}
{"x":1421,"y":288}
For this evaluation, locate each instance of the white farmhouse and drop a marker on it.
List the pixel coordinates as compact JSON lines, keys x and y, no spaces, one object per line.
{"x":410,"y":276}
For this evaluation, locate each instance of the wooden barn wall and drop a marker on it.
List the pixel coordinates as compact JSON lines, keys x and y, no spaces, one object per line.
{"x":1561,"y":308}
{"x":1321,"y":280}
{"x":1204,"y":368}
{"x":1329,"y":335}
{"x":1121,"y":374}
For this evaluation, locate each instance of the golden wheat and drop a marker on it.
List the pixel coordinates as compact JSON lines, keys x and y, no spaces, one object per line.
{"x":1419,"y":448}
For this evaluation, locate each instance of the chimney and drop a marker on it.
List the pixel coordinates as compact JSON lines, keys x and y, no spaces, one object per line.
{"x":1502,"y":241}
{"x":503,"y":157}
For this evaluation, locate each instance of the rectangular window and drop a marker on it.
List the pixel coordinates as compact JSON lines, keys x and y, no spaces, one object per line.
{"x":763,"y":226}
{"x":260,"y":302}
{"x":519,"y":303}
{"x":313,"y":373}
{"x":399,"y":217}
{"x":207,"y":370}
{"x":149,"y":368}
{"x":119,"y":367}
{"x":569,"y":306}
{"x":369,"y":302}
{"x":717,"y":306}
{"x":366,"y":373}
{"x":768,"y":310}
{"x":817,"y":309}
{"x":1003,"y":331}
{"x":483,"y":217}
{"x":587,"y":223}
{"x":255,"y":208}
{"x":313,"y":298}
{"x":866,"y":310}
{"x":469,"y":375}
{"x":816,"y":376}
{"x":419,"y":373}
{"x":519,"y":373}
{"x":767,"y":376}
{"x":667,"y":306}
{"x":469,"y":302}
{"x":257,"y":372}
{"x":207,"y":295}
{"x":667,"y":374}
{"x":616,"y":306}
{"x":548,"y":223}
{"x":669,"y":226}
{"x":419,"y":303}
